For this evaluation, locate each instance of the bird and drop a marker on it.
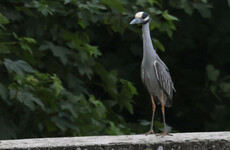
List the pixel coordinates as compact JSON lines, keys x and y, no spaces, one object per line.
{"x":154,"y":73}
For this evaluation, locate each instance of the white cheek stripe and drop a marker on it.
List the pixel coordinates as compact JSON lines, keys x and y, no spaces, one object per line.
{"x":147,"y":18}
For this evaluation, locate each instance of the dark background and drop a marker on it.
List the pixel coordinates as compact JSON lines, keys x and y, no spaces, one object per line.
{"x":72,"y":67}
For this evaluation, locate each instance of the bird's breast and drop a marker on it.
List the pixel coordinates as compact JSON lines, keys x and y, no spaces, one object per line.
{"x":149,"y":78}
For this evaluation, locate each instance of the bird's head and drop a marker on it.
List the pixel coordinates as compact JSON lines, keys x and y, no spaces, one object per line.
{"x":140,"y":18}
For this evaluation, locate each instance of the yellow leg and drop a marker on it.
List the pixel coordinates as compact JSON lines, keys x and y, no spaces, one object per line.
{"x":154,"y":108}
{"x":163,"y":114}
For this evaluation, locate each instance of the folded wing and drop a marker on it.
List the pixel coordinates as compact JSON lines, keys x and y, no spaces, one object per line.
{"x":164,"y":78}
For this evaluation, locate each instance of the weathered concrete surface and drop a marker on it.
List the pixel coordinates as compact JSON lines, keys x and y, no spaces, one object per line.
{"x":179,"y":141}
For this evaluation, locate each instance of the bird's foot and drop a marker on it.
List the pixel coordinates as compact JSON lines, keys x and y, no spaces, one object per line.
{"x":164,"y":134}
{"x":149,"y":132}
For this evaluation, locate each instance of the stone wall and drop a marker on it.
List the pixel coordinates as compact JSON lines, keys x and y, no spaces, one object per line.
{"x":178,"y":141}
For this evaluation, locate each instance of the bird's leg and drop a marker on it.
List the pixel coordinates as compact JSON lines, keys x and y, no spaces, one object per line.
{"x":154,"y":108}
{"x":165,"y":132}
{"x":163,"y":114}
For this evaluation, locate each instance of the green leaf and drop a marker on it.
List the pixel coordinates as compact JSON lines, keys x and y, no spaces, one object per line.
{"x":60,"y":123}
{"x":25,"y":43}
{"x":129,"y":86}
{"x":228,"y":3}
{"x":3,"y":19}
{"x":212,"y":73}
{"x":187,"y":6}
{"x":167,"y":27}
{"x":82,"y":24}
{"x":158,"y":44}
{"x":204,"y":9}
{"x":63,"y":124}
{"x":42,"y":7}
{"x":18,"y":66}
{"x":42,"y":76}
{"x":75,"y":82}
{"x":67,"y":1}
{"x":93,"y":50}
{"x":26,"y":47}
{"x":29,"y":100}
{"x":58,"y":51}
{"x":29,"y":40}
{"x":70,"y":108}
{"x":152,"y":2}
{"x":126,"y":94}
{"x":128,"y":106}
{"x":85,"y":69}
{"x":110,"y":103}
{"x":116,"y":4}
{"x":168,"y":16}
{"x":113,"y":129}
{"x":30,"y":79}
{"x":144,"y":123}
{"x":99,"y":107}
{"x":109,"y":79}
{"x":57,"y":85}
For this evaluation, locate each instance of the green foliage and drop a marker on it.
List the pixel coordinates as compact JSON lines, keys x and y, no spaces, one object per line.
{"x":71,"y":67}
{"x":24,"y":42}
{"x":212,"y":73}
{"x":53,"y":82}
{"x":121,"y":91}
{"x":116,"y":4}
{"x":18,"y":66}
{"x":3,"y":20}
{"x":58,"y":51}
{"x":202,"y":6}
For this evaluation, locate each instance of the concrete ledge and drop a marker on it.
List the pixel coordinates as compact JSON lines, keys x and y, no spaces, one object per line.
{"x":179,"y":141}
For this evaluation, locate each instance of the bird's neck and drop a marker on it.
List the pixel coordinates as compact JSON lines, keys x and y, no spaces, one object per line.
{"x":147,"y":42}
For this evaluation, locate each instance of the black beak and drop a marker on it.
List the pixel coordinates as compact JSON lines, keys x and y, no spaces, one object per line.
{"x":136,"y":21}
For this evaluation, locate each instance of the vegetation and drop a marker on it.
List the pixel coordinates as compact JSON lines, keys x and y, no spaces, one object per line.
{"x":71,"y":67}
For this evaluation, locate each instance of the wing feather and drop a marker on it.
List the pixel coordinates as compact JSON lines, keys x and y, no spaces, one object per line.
{"x":164,"y":78}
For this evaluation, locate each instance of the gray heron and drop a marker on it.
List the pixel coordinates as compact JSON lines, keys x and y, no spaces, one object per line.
{"x":154,"y":73}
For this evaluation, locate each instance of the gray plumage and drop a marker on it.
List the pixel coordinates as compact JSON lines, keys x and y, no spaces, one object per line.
{"x":154,"y":73}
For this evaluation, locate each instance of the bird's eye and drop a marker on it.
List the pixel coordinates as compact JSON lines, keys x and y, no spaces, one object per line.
{"x":144,"y":15}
